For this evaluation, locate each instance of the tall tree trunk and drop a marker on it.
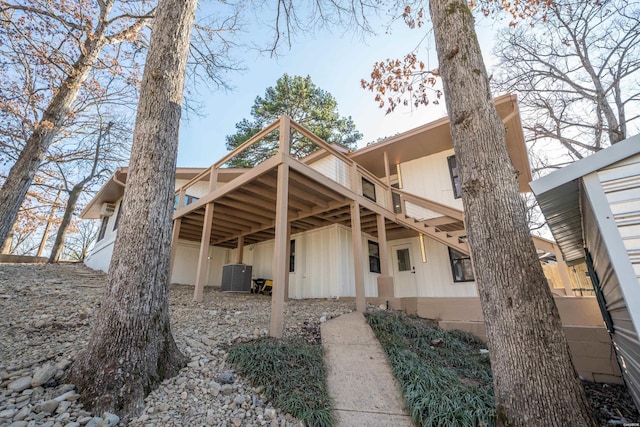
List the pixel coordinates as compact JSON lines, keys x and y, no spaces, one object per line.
{"x":47,"y":227}
{"x":72,"y":201}
{"x":534,"y":380}
{"x":21,"y":175}
{"x":132,"y":349}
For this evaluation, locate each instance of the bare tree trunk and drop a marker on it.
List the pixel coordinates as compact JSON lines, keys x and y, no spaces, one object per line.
{"x":21,"y":175}
{"x":47,"y":227}
{"x":132,"y":349}
{"x":58,"y":245}
{"x":534,"y":380}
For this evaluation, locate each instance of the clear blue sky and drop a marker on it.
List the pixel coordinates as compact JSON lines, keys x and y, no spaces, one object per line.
{"x":336,"y":63}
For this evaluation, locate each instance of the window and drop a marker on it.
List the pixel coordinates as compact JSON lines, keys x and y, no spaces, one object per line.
{"x":397,"y":201}
{"x":374,"y":257}
{"x":187,"y":201}
{"x":115,"y":224}
{"x":404,"y":260}
{"x":292,"y":256}
{"x":461,"y":266}
{"x":103,"y":228}
{"x":368,"y":189}
{"x":455,"y":177}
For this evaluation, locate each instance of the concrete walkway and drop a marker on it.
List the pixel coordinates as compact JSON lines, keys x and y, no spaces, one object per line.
{"x":363,"y":389}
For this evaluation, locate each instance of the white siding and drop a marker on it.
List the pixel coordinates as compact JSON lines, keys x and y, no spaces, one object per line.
{"x":434,"y":277}
{"x":186,"y":263}
{"x":323,"y":264}
{"x":429,"y":177}
{"x":332,"y":167}
{"x":100,"y":255}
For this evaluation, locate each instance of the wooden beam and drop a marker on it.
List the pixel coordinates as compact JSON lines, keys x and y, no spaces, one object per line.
{"x":279,"y":255}
{"x":175,"y":235}
{"x":231,"y":186}
{"x":356,"y":236}
{"x":201,"y":272}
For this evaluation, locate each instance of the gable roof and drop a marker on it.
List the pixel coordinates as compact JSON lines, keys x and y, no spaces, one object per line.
{"x":558,"y":195}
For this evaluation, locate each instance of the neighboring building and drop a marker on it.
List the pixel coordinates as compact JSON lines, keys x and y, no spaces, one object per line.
{"x":593,"y":210}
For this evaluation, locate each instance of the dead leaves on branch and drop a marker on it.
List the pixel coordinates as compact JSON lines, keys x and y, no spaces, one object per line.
{"x":404,"y":82}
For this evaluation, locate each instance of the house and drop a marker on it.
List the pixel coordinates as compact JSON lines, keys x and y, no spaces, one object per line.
{"x":592,"y":207}
{"x":382,"y":224}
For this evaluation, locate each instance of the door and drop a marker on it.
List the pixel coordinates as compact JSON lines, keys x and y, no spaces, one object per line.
{"x":404,"y":271}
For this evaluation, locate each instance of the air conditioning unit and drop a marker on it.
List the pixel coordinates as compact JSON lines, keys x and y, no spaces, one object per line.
{"x":107,"y":209}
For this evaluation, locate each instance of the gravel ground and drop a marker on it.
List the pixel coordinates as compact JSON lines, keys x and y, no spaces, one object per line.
{"x":45,"y":316}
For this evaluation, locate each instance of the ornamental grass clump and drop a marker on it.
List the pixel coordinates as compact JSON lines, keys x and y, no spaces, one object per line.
{"x":445,"y":379}
{"x":292,"y":373}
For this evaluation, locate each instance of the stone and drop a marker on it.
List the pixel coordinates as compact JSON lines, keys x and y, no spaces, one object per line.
{"x":323,"y":319}
{"x":22,"y":413}
{"x":111,"y":419}
{"x":215,"y":388}
{"x":226,"y":389}
{"x":94,"y":422}
{"x":436,"y":342}
{"x":226,"y":378}
{"x":239,"y":400}
{"x":72,"y":424}
{"x":44,"y":374}
{"x":7,"y":413}
{"x":48,"y":406}
{"x":270,"y":413}
{"x":64,"y":396}
{"x":19,"y":424}
{"x":20,"y":384}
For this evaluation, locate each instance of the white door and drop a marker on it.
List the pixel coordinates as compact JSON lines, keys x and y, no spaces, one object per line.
{"x":404,"y":271}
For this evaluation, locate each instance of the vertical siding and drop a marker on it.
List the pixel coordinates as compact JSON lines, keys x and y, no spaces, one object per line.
{"x":186,"y":263}
{"x":613,"y":194}
{"x":429,"y":177}
{"x":434,"y":277}
{"x":323,"y":264}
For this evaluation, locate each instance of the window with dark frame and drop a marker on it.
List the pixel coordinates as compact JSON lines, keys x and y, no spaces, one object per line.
{"x":374,"y":257}
{"x":368,"y":189}
{"x":455,"y":177}
{"x":187,"y":201}
{"x":115,"y":224}
{"x":292,"y":256}
{"x":461,"y":267}
{"x":103,"y":228}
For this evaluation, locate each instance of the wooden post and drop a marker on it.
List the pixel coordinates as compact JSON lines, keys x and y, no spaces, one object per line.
{"x":385,"y":281}
{"x":201,"y":272}
{"x":387,"y":175}
{"x":280,"y":261}
{"x":240,"y":249}
{"x":564,"y":271}
{"x":356,"y":236}
{"x":181,"y":197}
{"x":175,"y":234}
{"x":285,"y":136}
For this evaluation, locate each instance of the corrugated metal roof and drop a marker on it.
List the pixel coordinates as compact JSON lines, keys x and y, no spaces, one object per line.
{"x":558,"y":195}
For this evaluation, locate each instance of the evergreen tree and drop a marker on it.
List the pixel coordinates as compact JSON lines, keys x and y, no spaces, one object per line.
{"x":299,"y":98}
